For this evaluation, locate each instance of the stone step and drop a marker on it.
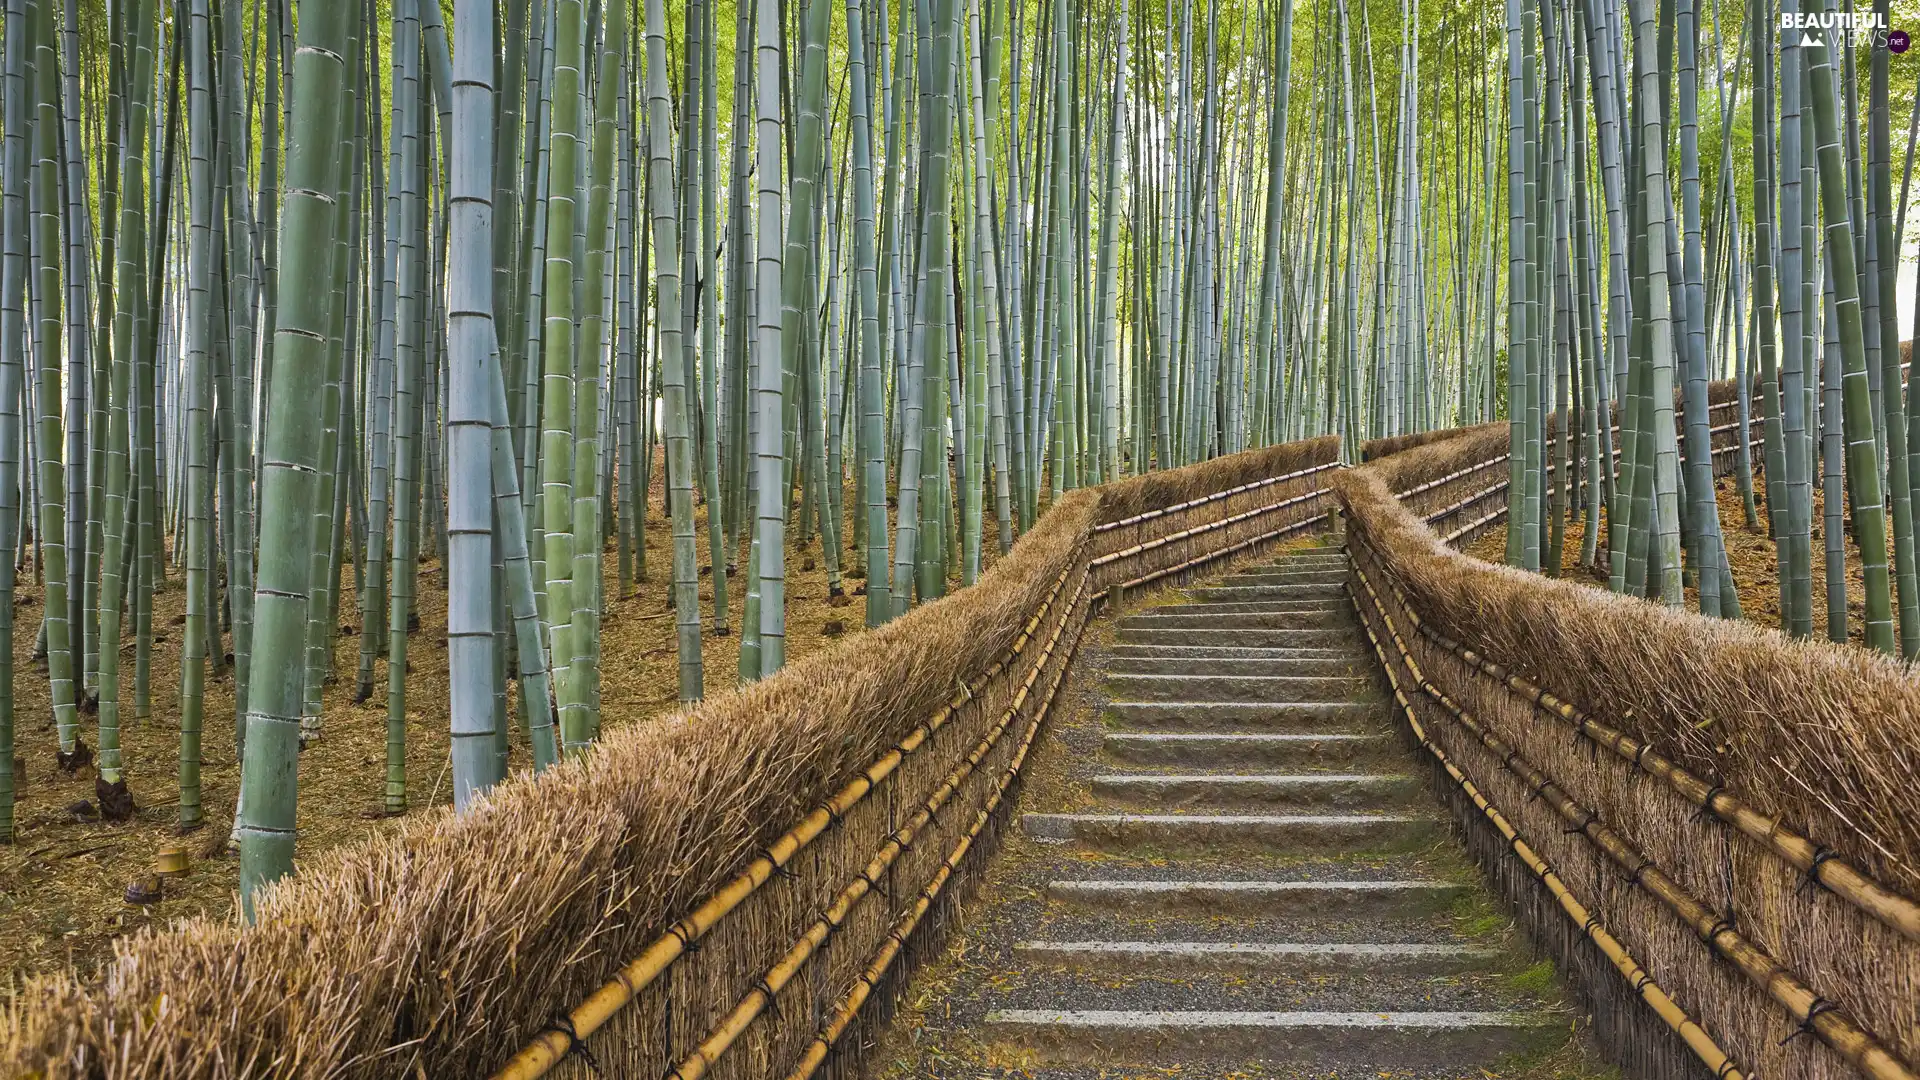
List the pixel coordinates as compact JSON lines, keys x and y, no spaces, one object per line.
{"x":1248,"y":652}
{"x":1241,"y":688}
{"x":1305,"y":558}
{"x":1283,"y":958}
{"x":1212,"y":633}
{"x":1289,"y":832}
{"x":1330,"y":624}
{"x":1331,"y":791}
{"x":1327,"y":590}
{"x":1339,"y":611}
{"x":1220,"y":717}
{"x":1395,"y":899}
{"x":1422,"y":1041}
{"x":1331,"y":575}
{"x":1263,"y":749}
{"x":1282,"y":663}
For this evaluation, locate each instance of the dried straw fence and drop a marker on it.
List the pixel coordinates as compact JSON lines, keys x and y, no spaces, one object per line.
{"x":1715,"y":830}
{"x":718,"y":894}
{"x":1461,"y":491}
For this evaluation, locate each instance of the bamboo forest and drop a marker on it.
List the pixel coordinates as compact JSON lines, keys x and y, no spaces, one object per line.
{"x":399,"y":399}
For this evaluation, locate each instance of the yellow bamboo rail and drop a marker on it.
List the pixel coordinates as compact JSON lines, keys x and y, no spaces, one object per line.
{"x":1589,"y":925}
{"x":1213,"y":526}
{"x":1809,"y":1008}
{"x":1818,"y":862}
{"x":750,"y":1007}
{"x":547,"y":1049}
{"x":1118,"y":592}
{"x":850,"y":1003}
{"x":1152,"y":515}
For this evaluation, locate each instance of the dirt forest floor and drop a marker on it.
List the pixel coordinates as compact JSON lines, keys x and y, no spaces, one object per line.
{"x":1750,"y":554}
{"x":63,"y":881}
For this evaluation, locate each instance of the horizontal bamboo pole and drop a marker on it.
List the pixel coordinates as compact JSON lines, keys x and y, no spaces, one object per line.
{"x":1500,"y":486}
{"x":755,"y":1003}
{"x":1818,"y":862}
{"x":1422,"y":489}
{"x":1150,"y":515}
{"x":1212,"y":526}
{"x":1637,"y":977}
{"x":864,"y":984}
{"x":547,"y":1049}
{"x":1124,"y":587}
{"x":1813,"y":1011}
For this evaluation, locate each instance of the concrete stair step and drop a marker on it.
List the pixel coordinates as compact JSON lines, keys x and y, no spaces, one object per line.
{"x":1330,"y":575}
{"x":1327,"y":621}
{"x":1327,"y":589}
{"x":1391,"y":899}
{"x":1330,"y":791}
{"x":1239,"y":688}
{"x":1248,"y":652}
{"x":1282,"y":663}
{"x":1385,"y":1040}
{"x":1210,"y":632}
{"x":1311,"y":558}
{"x":1263,"y":749}
{"x":1271,"y":958}
{"x":1331,"y":609}
{"x":1291,"y":832}
{"x":1220,"y":717}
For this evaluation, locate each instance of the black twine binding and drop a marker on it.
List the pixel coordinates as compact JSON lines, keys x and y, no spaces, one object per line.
{"x":766,"y":991}
{"x":1639,"y":757}
{"x":1726,"y":1067}
{"x":1821,"y":854}
{"x":563,"y":1024}
{"x":1706,"y":803}
{"x":1711,"y":936}
{"x":689,"y":942}
{"x":1820,"y":1005}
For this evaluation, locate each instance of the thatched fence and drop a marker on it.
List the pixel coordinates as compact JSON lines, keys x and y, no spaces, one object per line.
{"x":1458,"y":483}
{"x":731,"y":892}
{"x":1714,"y":829}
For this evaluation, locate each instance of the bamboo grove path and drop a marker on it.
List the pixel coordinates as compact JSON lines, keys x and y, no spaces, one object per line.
{"x":1228,"y":866}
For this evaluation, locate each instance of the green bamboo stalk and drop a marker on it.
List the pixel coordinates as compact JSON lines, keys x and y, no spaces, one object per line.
{"x":584,"y":668}
{"x":44,"y":191}
{"x":557,"y":376}
{"x":1883,"y":251}
{"x":1797,"y":571}
{"x":411,"y":320}
{"x":130,"y":295}
{"x":13,"y":279}
{"x":1863,"y":467}
{"x":872,"y":387}
{"x":199,"y":495}
{"x":470,"y":382}
{"x":1658,"y":320}
{"x":269,"y":772}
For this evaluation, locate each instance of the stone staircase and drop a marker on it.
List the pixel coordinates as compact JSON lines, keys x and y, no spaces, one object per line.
{"x":1239,"y":874}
